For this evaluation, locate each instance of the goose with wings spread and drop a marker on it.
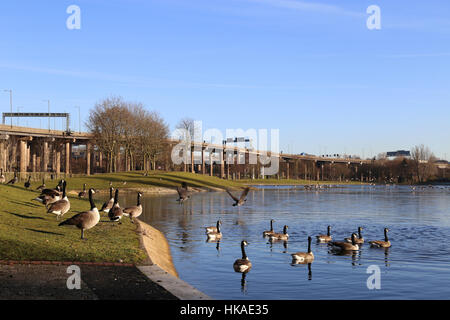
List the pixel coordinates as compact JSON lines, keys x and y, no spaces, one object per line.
{"x":242,"y":199}
{"x":183,"y":193}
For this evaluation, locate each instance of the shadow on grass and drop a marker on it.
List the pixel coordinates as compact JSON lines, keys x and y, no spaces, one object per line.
{"x":28,"y":204}
{"x":24,"y":216}
{"x":45,"y":232}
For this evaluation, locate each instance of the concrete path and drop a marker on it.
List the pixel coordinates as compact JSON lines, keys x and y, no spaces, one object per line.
{"x":26,"y":281}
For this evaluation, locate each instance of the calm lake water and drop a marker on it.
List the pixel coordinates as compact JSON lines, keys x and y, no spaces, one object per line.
{"x":417,"y":266}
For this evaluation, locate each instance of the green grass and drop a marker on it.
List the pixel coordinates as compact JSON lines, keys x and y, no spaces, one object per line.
{"x":155,"y":179}
{"x":27,"y":232}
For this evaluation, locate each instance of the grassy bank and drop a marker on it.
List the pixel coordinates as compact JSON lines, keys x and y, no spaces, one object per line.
{"x":27,"y":232}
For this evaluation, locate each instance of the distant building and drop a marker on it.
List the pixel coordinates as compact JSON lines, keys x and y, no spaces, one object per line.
{"x":399,"y":153}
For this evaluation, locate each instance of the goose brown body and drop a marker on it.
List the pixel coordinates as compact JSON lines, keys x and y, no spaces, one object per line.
{"x":85,"y":220}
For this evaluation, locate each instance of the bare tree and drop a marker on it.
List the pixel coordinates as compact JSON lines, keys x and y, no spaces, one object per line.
{"x":423,"y":159}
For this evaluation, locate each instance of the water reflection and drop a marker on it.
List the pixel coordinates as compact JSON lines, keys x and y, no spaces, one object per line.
{"x":425,"y":215}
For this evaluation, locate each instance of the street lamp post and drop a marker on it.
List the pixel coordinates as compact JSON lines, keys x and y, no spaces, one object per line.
{"x":10,"y":101}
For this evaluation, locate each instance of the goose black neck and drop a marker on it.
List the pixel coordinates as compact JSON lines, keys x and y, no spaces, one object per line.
{"x":244,"y":255}
{"x":64,"y":189}
{"x":309,"y":244}
{"x":116,"y":196}
{"x":285,"y":230}
{"x":328,"y":231}
{"x":139,"y":199}
{"x":217,"y":224}
{"x":353,"y":239}
{"x":91,"y":200}
{"x":359,"y":233}
{"x":110,"y":193}
{"x":271,"y":225}
{"x":385,"y":236}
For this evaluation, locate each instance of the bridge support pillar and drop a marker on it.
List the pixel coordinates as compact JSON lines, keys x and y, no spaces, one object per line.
{"x":45,"y":157}
{"x":23,"y":156}
{"x":222,"y":164}
{"x":3,"y":151}
{"x":192,"y":160}
{"x":88,"y":159}
{"x":33,"y":162}
{"x":67,"y":166}
{"x":58,"y":161}
{"x":203,"y":160}
{"x":211,"y":165}
{"x":287,"y":170}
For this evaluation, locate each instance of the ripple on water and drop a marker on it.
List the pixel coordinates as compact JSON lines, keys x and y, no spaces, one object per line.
{"x":415,"y":267}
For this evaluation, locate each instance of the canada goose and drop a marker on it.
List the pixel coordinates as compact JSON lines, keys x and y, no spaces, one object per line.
{"x":82,"y":194}
{"x":13,"y":180}
{"x":268,"y":233}
{"x":280,"y":236}
{"x":381,"y":244}
{"x":108,"y":204}
{"x":359,"y":240}
{"x":241,"y":200}
{"x":134,"y":211}
{"x":242,"y":265}
{"x":304,"y":257}
{"x":60,"y":207}
{"x":215,"y":235}
{"x":42,"y":186}
{"x":54,"y":192}
{"x":345,"y":246}
{"x":325,"y":237}
{"x":84,"y":220}
{"x":115,"y":213}
{"x":183,"y":194}
{"x":49,"y":196}
{"x":2,"y":176}
{"x":27,"y":183}
{"x":213,"y":229}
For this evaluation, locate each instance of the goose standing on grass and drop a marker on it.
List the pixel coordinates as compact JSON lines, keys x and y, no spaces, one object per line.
{"x":242,"y":199}
{"x":325,"y":237}
{"x":108,"y":204}
{"x":134,"y":211}
{"x":242,"y":265}
{"x":304,"y":257}
{"x":270,"y":232}
{"x":381,"y":244}
{"x":213,"y":229}
{"x":359,"y":240}
{"x":345,"y":246}
{"x":84,"y":220}
{"x":2,"y":176}
{"x":82,"y":194}
{"x":42,"y":186}
{"x":13,"y":180}
{"x":280,"y":236}
{"x":27,"y":183}
{"x":183,"y":193}
{"x":115,"y":213}
{"x":215,"y":235}
{"x":60,"y":207}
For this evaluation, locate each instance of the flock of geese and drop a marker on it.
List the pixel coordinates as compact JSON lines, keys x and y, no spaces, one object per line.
{"x":56,"y":202}
{"x":350,"y":244}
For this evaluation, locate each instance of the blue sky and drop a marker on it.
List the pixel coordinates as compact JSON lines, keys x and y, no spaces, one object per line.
{"x":309,"y":68}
